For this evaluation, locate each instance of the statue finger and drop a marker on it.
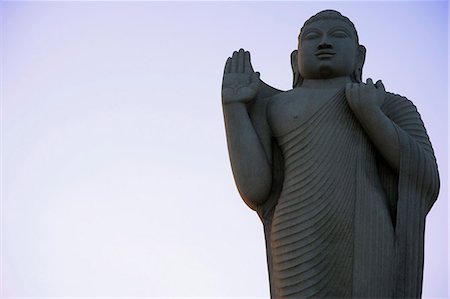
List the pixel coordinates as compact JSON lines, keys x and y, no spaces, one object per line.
{"x":241,"y":61}
{"x":234,"y":62}
{"x":228,"y":66}
{"x":247,"y":64}
{"x":380,"y":85}
{"x":369,"y":81}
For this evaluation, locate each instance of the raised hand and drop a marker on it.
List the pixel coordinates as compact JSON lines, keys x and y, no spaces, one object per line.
{"x":240,"y":82}
{"x":365,"y":96}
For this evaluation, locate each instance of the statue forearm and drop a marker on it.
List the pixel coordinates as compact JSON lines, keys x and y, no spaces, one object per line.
{"x":381,"y":131}
{"x":250,"y":165}
{"x":365,"y":100}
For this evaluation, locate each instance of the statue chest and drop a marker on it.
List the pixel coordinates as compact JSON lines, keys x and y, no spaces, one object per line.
{"x":291,"y":109}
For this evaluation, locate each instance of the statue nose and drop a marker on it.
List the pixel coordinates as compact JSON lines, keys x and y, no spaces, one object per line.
{"x":324,"y":45}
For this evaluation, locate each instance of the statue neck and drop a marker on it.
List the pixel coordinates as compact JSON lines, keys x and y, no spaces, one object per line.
{"x":338,"y":82}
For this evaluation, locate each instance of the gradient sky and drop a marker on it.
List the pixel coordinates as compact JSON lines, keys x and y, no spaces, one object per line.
{"x":115,"y":172}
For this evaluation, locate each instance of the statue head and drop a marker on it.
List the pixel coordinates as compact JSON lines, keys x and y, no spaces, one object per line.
{"x":328,"y":47}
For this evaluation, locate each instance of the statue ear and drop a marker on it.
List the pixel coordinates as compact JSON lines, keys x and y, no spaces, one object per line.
{"x":360,"y":58}
{"x":298,"y":80}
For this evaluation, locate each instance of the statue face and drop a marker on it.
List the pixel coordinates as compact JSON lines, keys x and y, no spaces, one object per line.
{"x":327,"y":49}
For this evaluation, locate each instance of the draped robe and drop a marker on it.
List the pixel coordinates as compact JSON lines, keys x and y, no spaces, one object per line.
{"x":339,"y":222}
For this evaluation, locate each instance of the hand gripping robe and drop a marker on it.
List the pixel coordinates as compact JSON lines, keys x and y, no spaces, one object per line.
{"x":339,"y":222}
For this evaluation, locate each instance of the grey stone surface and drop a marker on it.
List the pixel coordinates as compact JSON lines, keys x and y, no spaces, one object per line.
{"x":340,"y":171}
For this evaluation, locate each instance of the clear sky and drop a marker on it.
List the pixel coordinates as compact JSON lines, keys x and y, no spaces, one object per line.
{"x":115,"y":172}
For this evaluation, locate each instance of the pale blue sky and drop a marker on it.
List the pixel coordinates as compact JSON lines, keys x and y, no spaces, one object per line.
{"x":115,"y":172}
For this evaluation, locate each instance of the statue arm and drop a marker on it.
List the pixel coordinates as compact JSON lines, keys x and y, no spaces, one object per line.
{"x":395,"y":128}
{"x":250,"y":160}
{"x":366,"y":100}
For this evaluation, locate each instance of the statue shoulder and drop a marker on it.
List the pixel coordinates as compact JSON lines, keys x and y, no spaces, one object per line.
{"x":278,"y":102}
{"x":395,"y":104}
{"x":394,"y":98}
{"x":405,"y":115}
{"x":266,"y":93}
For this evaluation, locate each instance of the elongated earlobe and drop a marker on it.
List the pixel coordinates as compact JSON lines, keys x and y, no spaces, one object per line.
{"x":361,"y":57}
{"x":297,"y":79}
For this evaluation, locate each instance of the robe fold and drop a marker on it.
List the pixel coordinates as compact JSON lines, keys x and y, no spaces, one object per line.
{"x":339,"y":222}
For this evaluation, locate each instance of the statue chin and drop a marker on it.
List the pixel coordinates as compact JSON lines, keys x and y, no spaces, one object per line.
{"x":327,"y":73}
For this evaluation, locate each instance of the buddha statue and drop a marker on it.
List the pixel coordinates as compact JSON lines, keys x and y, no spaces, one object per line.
{"x":341,"y":172}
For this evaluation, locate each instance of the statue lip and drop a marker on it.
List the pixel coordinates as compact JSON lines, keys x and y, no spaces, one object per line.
{"x":325,"y":53}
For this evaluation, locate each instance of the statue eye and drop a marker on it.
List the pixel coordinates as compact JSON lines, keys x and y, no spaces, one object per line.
{"x":311,"y":35}
{"x":339,"y":33}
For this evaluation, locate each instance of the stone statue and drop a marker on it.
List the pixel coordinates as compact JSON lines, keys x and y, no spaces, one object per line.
{"x":341,"y":172}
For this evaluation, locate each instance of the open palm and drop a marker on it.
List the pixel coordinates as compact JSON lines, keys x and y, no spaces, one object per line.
{"x":240,"y":82}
